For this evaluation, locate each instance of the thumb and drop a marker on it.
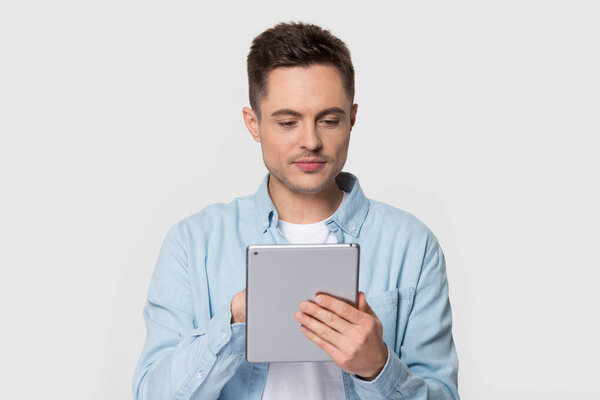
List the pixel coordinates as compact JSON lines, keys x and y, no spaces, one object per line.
{"x":363,"y":305}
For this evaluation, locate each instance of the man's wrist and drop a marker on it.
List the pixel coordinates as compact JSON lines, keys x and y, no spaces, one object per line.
{"x":237,"y":308}
{"x":385,"y":355}
{"x":236,"y":319}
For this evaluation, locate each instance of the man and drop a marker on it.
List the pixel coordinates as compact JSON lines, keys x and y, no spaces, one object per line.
{"x":396,"y":344}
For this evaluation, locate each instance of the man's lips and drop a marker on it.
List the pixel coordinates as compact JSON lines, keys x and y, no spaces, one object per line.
{"x":309,"y":165}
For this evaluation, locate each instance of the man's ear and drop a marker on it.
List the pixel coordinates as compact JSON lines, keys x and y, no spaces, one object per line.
{"x":353,"y":115}
{"x":251,"y":121}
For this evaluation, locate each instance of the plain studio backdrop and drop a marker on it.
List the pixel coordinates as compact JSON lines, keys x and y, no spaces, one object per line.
{"x":120,"y":118}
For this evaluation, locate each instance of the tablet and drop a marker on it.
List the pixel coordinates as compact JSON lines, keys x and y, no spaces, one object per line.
{"x":279,"y":278}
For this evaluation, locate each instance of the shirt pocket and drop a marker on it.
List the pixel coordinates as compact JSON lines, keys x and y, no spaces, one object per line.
{"x":393,"y":308}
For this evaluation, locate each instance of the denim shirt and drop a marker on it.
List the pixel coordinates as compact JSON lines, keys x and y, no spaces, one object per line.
{"x":192,"y":351}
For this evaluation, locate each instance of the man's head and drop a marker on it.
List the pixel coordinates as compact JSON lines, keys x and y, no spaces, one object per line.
{"x":295,"y":45}
{"x":301,"y":82}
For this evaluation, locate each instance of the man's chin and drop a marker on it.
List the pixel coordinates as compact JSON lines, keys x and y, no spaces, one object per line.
{"x":308,"y":185}
{"x":307,"y":190}
{"x":304,"y":188}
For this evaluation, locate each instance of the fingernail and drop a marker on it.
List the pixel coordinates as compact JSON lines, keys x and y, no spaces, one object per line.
{"x":319,"y":300}
{"x":303,"y":306}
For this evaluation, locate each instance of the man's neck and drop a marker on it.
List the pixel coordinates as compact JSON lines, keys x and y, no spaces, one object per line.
{"x":300,"y":208}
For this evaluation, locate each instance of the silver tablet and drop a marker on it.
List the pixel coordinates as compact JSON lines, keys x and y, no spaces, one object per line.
{"x":279,"y":278}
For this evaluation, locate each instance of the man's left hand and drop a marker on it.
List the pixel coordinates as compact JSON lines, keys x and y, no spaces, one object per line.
{"x":353,"y":337}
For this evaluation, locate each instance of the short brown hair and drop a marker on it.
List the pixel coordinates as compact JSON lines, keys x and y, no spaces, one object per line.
{"x":295,"y":44}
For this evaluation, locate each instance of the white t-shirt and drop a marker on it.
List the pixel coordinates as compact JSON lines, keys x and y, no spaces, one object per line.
{"x":305,"y":380}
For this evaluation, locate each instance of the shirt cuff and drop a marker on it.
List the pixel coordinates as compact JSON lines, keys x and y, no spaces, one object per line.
{"x":225,"y":337}
{"x":392,"y":375}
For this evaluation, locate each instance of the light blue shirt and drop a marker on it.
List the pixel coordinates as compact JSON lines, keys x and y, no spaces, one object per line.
{"x":193,"y":352}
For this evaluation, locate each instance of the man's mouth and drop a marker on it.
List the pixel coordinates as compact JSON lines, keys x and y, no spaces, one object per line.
{"x":309,"y":164}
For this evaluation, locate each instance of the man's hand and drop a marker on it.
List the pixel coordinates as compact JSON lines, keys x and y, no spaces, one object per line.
{"x":352,"y":337}
{"x":238,"y":307}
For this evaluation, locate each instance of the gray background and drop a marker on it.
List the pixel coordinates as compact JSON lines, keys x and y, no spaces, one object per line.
{"x":119,"y":118}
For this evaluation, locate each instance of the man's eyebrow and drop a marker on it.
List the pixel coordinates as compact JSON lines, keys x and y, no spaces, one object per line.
{"x":287,"y":111}
{"x":330,"y":110}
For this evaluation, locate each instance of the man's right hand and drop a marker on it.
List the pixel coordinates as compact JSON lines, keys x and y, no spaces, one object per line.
{"x":238,"y":307}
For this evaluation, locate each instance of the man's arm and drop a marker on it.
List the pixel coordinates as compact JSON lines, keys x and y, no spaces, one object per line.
{"x":426,"y":367}
{"x":181,"y":356}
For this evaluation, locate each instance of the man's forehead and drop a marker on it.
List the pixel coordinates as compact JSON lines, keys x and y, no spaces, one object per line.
{"x":312,"y":88}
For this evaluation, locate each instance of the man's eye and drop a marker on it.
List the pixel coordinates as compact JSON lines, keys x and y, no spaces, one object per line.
{"x":330,"y":122}
{"x":287,"y":124}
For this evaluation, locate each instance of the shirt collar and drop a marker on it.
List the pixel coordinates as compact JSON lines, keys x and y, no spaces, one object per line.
{"x":349,"y":217}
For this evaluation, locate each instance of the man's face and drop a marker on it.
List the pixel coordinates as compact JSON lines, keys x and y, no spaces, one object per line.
{"x":306,"y":119}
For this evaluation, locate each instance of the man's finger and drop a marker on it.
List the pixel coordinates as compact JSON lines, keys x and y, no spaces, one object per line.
{"x":339,"y":307}
{"x":330,"y":349}
{"x":322,"y":330}
{"x":326,"y":316}
{"x":363,"y":305}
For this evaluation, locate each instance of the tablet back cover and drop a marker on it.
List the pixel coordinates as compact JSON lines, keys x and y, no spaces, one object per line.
{"x":279,"y":277}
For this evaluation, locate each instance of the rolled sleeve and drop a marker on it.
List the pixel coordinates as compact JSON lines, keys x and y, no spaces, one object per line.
{"x":386,"y":383}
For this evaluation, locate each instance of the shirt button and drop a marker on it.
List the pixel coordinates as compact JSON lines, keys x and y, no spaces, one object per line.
{"x":199,"y":375}
{"x":353,"y":229}
{"x":224,"y":334}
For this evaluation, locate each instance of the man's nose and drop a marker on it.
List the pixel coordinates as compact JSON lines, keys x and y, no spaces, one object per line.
{"x":309,"y":138}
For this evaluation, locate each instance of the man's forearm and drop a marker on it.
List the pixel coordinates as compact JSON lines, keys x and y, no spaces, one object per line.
{"x":396,"y":382}
{"x":201,"y":363}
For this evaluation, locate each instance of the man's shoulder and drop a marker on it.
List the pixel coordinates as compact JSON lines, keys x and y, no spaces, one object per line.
{"x":388,"y":217}
{"x":236,"y":208}
{"x":403,"y":230}
{"x":218,"y":215}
